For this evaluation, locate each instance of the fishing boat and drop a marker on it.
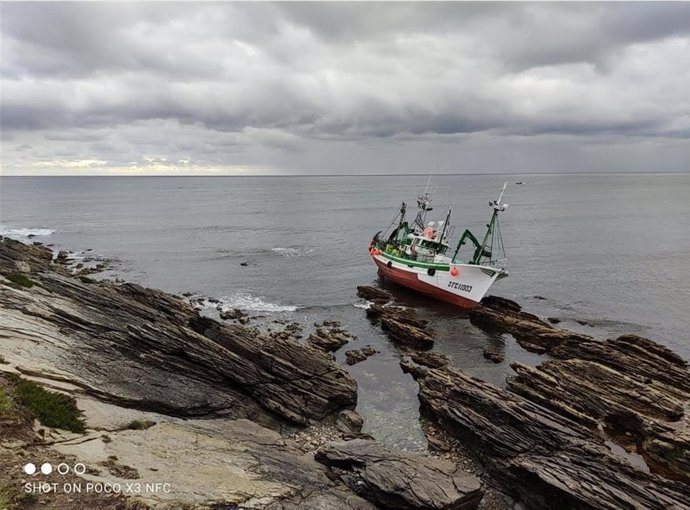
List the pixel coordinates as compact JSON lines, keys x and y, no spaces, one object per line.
{"x":419,"y":256}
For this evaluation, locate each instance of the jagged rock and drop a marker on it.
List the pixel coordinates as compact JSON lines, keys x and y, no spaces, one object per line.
{"x":398,"y":480}
{"x":406,"y":334}
{"x":541,"y":438}
{"x":373,"y":294}
{"x":168,"y":358}
{"x":493,"y":356}
{"x":329,"y":337}
{"x":398,"y":313}
{"x":349,"y":421}
{"x":428,"y":359}
{"x":553,"y":320}
{"x":531,"y":332}
{"x":358,"y":355}
{"x":62,"y":257}
{"x":234,"y":314}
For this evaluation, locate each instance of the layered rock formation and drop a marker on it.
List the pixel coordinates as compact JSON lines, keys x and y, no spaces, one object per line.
{"x":146,"y":349}
{"x":401,"y":481}
{"x":605,"y":426}
{"x":400,"y":324}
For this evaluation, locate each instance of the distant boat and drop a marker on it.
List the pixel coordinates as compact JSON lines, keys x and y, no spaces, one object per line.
{"x":520,"y":183}
{"x":417,"y":256}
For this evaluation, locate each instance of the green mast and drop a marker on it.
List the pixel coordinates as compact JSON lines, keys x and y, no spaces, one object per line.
{"x":485,"y":248}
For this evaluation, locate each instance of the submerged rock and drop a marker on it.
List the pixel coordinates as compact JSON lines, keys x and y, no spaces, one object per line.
{"x":234,"y":314}
{"x":329,"y":337}
{"x":358,"y":355}
{"x":401,"y":481}
{"x":494,"y":356}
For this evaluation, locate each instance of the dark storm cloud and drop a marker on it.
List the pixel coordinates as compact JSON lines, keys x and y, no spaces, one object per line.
{"x":293,"y":86}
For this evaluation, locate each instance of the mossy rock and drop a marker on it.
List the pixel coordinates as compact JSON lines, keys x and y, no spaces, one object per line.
{"x":50,"y":408}
{"x":140,"y":424}
{"x":20,"y":279}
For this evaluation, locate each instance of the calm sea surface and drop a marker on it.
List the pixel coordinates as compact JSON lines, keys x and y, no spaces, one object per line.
{"x":610,"y":250}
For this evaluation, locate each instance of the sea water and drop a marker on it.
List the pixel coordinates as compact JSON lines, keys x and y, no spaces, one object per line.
{"x":607,"y":254}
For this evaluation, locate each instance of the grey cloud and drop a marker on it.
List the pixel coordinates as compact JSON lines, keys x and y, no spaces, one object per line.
{"x":292,"y":86}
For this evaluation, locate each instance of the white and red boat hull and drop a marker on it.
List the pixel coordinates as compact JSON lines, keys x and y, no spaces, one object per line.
{"x":464,"y":289}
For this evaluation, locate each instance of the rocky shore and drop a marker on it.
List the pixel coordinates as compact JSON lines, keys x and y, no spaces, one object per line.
{"x":157,"y":393}
{"x":600,"y":425}
{"x":144,"y":390}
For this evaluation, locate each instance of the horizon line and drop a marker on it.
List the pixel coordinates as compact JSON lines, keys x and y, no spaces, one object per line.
{"x":352,"y":175}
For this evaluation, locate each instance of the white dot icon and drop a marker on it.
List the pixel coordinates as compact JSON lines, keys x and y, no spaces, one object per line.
{"x":29,"y":469}
{"x":46,"y":469}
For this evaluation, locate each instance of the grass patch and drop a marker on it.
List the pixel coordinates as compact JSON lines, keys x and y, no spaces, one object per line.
{"x":52,"y":409}
{"x":21,"y":280}
{"x":6,"y":404}
{"x":140,"y":424}
{"x":6,"y":496}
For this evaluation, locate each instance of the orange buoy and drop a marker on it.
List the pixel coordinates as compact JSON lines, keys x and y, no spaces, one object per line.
{"x":455,"y":271}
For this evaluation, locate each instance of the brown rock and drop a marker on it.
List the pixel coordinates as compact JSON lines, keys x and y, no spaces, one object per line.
{"x":406,"y":334}
{"x":373,"y":294}
{"x":358,"y":355}
{"x":398,"y":480}
{"x":494,"y":356}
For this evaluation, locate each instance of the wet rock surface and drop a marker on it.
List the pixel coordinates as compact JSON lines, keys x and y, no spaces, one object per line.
{"x":400,"y":480}
{"x":329,"y":337}
{"x":406,"y":335}
{"x":600,"y":425}
{"x":401,"y":325}
{"x":358,"y":355}
{"x":497,"y":314}
{"x":494,"y":356}
{"x":546,"y":438}
{"x":373,"y":294}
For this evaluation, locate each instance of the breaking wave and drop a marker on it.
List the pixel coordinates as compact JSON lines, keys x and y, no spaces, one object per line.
{"x":24,"y":233}
{"x":248,"y":303}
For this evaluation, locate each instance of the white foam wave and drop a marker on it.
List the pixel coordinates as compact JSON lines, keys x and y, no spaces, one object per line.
{"x":246,"y":302}
{"x":364,"y":306}
{"x":292,"y":252}
{"x":24,"y":233}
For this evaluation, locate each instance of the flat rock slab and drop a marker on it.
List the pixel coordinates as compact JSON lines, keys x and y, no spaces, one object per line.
{"x":400,"y":480}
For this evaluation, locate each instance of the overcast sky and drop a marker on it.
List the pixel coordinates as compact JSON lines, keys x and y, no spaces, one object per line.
{"x":330,"y":88}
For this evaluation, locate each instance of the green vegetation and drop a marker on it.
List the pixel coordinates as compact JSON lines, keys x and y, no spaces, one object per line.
{"x":140,"y":424}
{"x":6,"y":404}
{"x":52,"y":409}
{"x":21,"y":280}
{"x":6,"y":496}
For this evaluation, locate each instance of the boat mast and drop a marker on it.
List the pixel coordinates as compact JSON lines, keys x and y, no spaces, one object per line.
{"x":443,"y":232}
{"x":497,"y":207}
{"x":480,"y":248}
